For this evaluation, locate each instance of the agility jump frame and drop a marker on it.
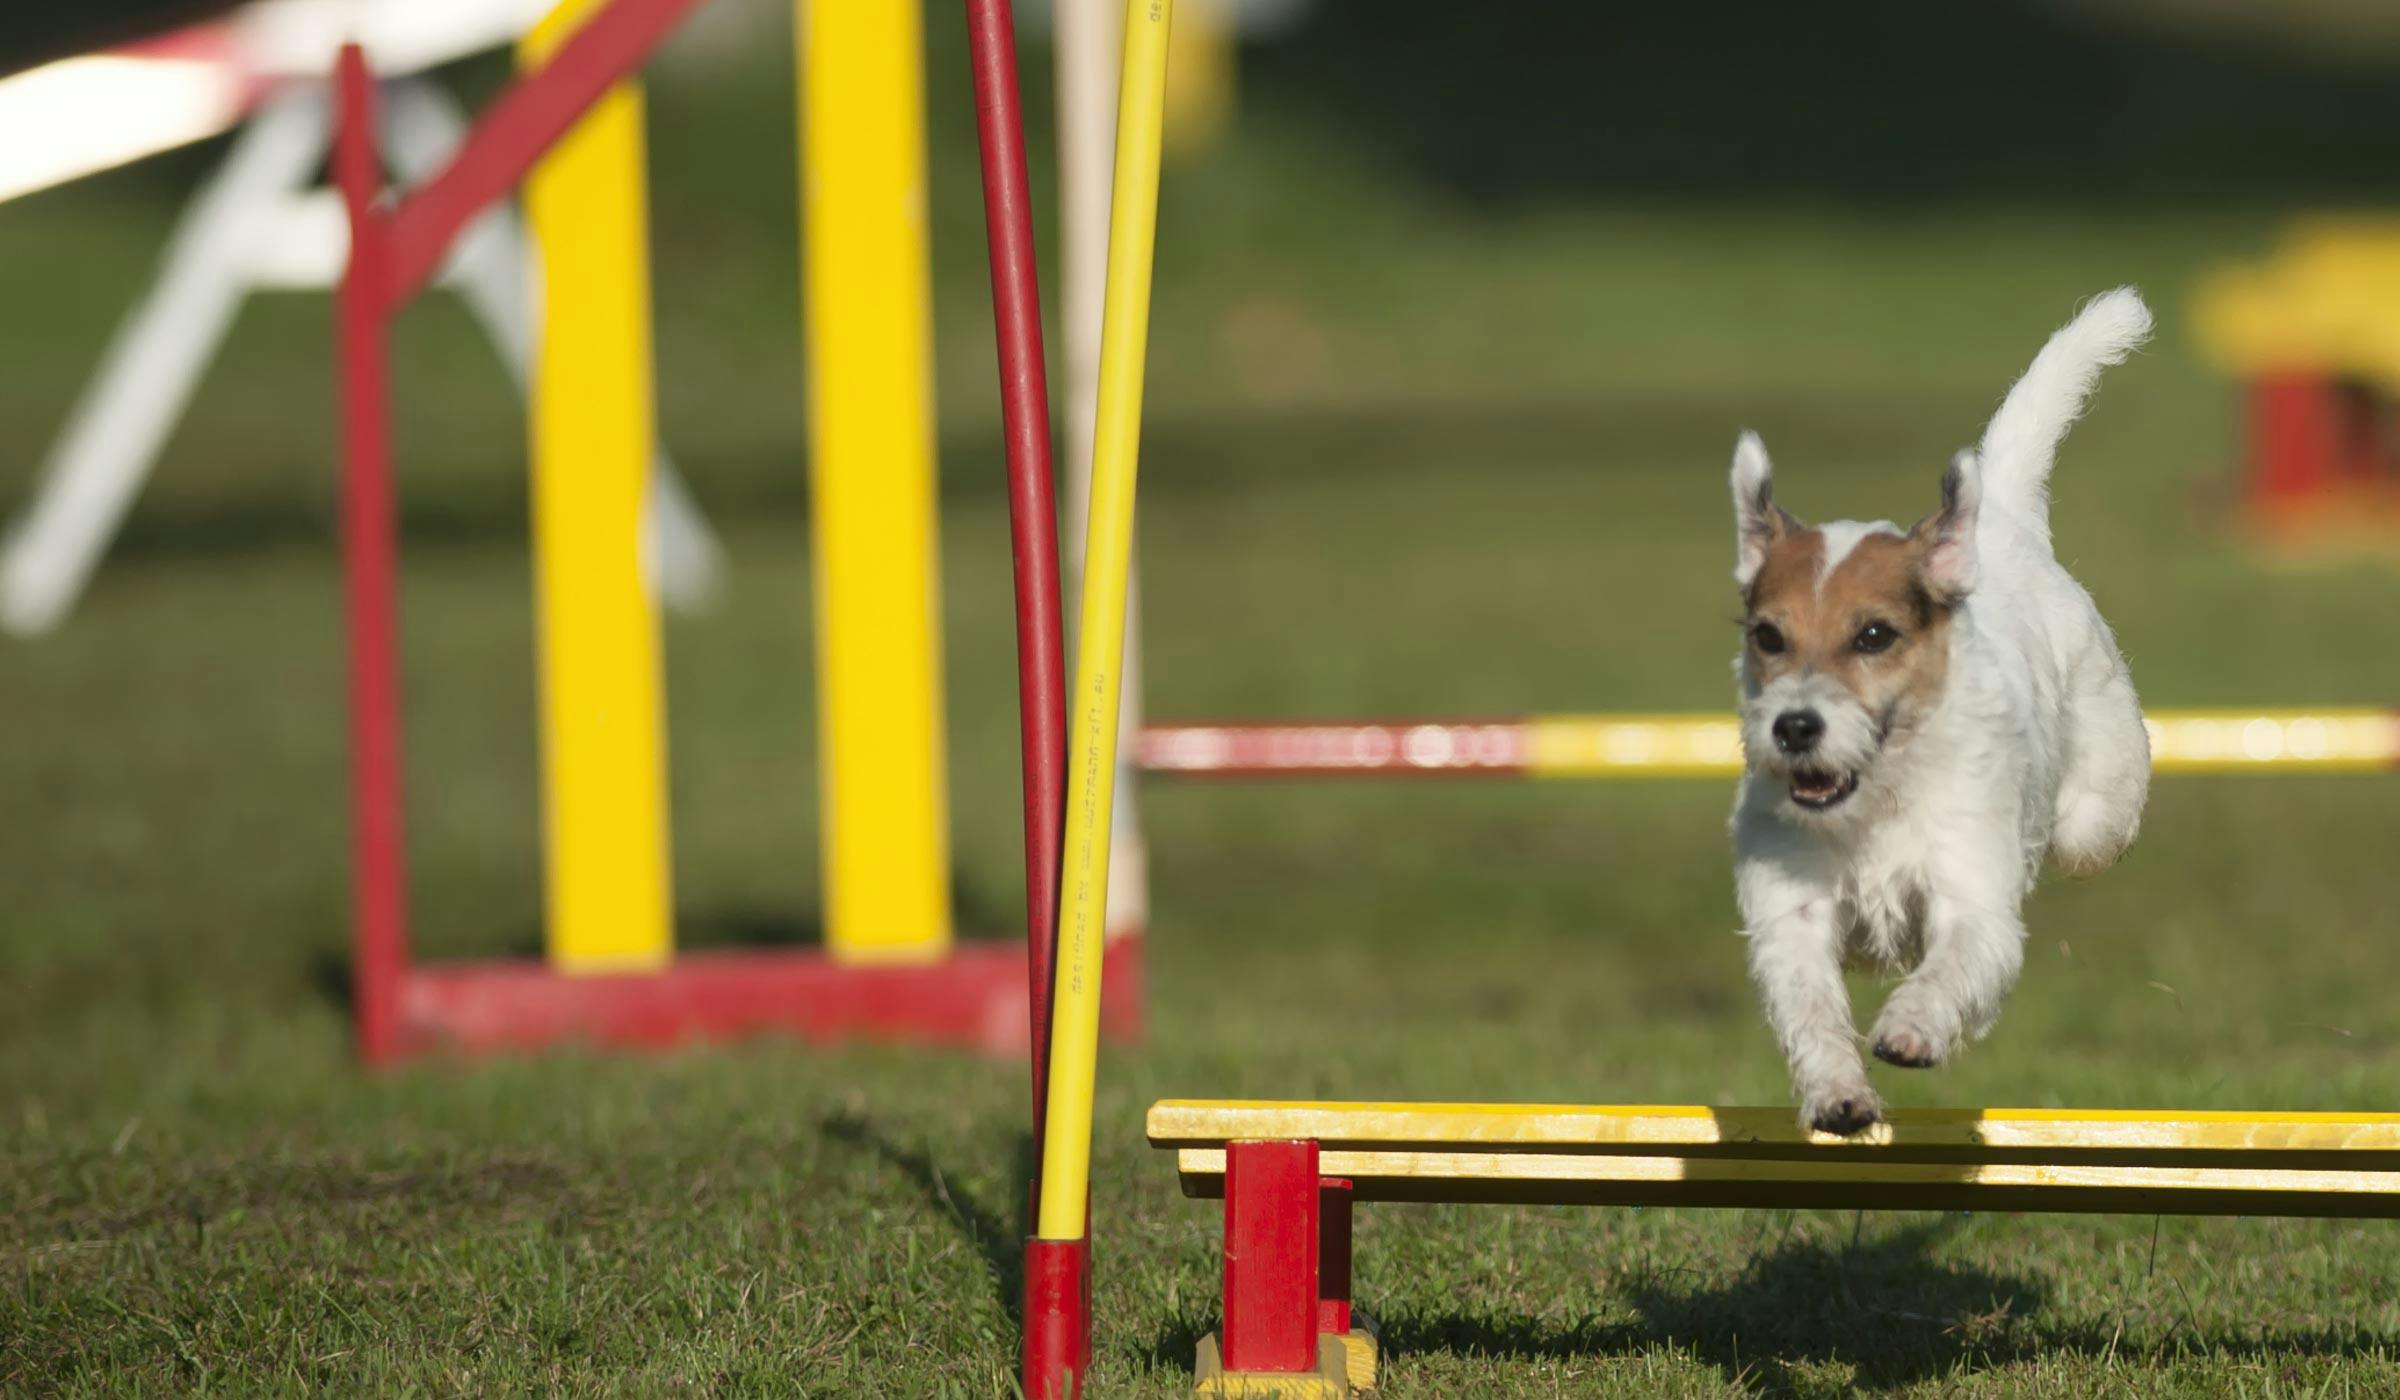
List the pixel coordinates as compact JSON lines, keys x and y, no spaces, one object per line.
{"x":613,"y":982}
{"x":1290,"y":1173}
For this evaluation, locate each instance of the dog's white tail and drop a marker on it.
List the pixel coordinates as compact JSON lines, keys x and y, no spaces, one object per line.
{"x":2021,"y":442}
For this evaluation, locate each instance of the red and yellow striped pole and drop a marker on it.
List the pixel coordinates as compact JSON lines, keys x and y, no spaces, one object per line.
{"x":2353,"y":740}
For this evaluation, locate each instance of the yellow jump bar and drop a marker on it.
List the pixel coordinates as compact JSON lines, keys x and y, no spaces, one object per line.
{"x":1761,"y":1131}
{"x":2334,"y":1164}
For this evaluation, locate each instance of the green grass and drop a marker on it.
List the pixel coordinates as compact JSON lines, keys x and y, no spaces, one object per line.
{"x":1403,"y":457}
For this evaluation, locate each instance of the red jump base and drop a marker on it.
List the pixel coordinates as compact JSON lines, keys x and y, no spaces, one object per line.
{"x":974,"y":999}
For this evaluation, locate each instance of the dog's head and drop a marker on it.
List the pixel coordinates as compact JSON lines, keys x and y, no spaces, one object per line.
{"x":1845,"y":632}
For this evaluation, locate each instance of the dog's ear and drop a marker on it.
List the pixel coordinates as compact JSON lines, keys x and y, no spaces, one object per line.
{"x":1945,"y":540}
{"x":1757,"y":521}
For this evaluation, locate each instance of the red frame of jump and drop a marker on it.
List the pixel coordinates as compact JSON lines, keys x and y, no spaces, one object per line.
{"x":975,"y":998}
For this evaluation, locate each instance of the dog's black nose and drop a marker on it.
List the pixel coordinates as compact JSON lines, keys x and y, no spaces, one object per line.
{"x":1797,"y":731}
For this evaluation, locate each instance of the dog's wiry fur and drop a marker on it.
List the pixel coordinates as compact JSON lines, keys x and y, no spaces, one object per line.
{"x":1971,"y":716}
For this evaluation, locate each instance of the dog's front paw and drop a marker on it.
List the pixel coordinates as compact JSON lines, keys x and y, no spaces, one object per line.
{"x":1841,"y":1111}
{"x":1907,"y":1041}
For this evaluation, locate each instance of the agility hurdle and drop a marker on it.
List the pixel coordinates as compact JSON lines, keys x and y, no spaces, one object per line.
{"x":2354,"y":740}
{"x":887,"y":969}
{"x":1290,"y":1173}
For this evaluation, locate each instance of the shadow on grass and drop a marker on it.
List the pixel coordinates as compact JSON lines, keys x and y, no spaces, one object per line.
{"x":994,"y":1233}
{"x":1885,"y":1308}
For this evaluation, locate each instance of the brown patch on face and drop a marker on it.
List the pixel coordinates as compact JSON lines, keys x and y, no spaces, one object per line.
{"x":1871,"y":624}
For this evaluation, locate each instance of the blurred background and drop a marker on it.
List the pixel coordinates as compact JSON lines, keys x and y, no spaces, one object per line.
{"x":1459,"y":309}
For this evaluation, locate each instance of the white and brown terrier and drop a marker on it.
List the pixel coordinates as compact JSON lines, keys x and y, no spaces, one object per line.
{"x":1926,"y":714}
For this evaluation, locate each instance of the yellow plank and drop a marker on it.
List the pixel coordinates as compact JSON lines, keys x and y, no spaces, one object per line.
{"x":604,"y":753}
{"x":1591,"y":1128}
{"x":2181,"y":741}
{"x":884,"y":788}
{"x":1092,"y":705}
{"x":1569,"y":1177}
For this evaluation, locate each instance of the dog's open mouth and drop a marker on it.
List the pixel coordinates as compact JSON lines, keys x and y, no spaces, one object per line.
{"x":1818,"y":789}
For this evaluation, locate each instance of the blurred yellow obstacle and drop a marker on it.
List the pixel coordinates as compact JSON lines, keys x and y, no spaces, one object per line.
{"x":2327,"y":301}
{"x":2313,"y":334}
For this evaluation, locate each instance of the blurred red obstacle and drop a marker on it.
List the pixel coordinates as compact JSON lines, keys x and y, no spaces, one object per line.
{"x":2313,"y":335}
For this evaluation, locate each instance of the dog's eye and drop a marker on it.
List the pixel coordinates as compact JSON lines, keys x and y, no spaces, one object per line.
{"x":1768,"y":638}
{"x":1875,"y":637}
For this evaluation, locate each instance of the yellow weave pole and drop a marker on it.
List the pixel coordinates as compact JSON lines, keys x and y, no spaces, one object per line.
{"x":866,"y":279}
{"x":590,"y":420}
{"x":1100,"y":641}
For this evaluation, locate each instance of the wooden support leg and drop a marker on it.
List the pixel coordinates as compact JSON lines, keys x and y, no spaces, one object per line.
{"x":1270,"y":1344}
{"x":1333,"y":1254}
{"x":1337,"y":1317}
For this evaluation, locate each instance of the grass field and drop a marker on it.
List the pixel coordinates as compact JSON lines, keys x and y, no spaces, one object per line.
{"x":1402,"y":457}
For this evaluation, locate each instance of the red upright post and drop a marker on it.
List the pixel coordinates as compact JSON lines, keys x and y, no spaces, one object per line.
{"x":2295,"y":439}
{"x":1271,"y":1247}
{"x":1032,"y":503}
{"x":1057,"y":1284}
{"x":525,"y":120}
{"x":1333,"y":1255}
{"x":380,"y":957}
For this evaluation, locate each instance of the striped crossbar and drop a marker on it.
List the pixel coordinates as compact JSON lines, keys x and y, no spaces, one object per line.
{"x":2340,"y":1164}
{"x":2353,"y":740}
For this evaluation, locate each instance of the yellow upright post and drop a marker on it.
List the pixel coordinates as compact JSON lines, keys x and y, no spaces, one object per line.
{"x":866,"y":280}
{"x":1100,"y":642}
{"x":604,"y":759}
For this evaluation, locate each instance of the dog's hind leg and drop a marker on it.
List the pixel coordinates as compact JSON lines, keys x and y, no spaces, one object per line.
{"x":2107,"y":778}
